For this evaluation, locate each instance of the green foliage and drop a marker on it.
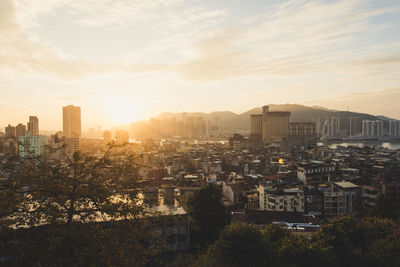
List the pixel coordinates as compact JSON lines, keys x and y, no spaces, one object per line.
{"x":346,"y":241}
{"x":383,"y":208}
{"x":209,"y":214}
{"x":241,"y":245}
{"x":300,"y":251}
{"x":355,"y":242}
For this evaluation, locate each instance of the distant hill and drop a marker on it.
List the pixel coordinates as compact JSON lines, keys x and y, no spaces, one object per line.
{"x":232,"y":121}
{"x":299,"y":113}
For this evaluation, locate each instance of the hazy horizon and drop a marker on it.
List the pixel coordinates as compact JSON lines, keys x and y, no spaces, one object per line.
{"x":125,"y":61}
{"x":116,"y":126}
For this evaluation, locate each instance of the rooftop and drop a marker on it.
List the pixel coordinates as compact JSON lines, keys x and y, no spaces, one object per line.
{"x":346,"y":185}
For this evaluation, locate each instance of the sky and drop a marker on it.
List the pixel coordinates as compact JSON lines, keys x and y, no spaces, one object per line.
{"x":127,"y":60}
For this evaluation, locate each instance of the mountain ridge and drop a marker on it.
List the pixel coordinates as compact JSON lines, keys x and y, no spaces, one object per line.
{"x":299,"y":113}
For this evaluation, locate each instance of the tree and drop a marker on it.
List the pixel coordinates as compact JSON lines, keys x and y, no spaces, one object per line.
{"x":239,"y":245}
{"x":384,"y":208}
{"x":356,"y":243}
{"x":79,"y":210}
{"x":209,"y":214}
{"x":246,"y":245}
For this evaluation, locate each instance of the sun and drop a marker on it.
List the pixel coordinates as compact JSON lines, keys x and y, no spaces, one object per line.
{"x":122,"y":110}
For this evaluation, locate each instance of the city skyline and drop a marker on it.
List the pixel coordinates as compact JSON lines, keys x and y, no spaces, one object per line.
{"x":131,"y":60}
{"x":69,"y":111}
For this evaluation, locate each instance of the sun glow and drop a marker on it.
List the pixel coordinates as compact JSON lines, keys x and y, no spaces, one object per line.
{"x":122,"y":110}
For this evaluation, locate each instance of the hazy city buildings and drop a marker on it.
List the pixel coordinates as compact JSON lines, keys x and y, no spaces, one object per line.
{"x":372,"y":128}
{"x":72,"y":121}
{"x":122,"y":137}
{"x":10,"y":131}
{"x":331,"y":127}
{"x":107,"y":137}
{"x":302,"y":134}
{"x":394,"y":128}
{"x":20,"y":130}
{"x":256,"y":126}
{"x":33,"y":125}
{"x":317,"y":123}
{"x":354,"y":126}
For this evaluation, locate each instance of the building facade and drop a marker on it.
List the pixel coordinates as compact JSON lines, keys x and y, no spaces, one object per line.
{"x":32,"y":146}
{"x":341,"y":198}
{"x":286,"y":200}
{"x":10,"y":131}
{"x":372,"y":128}
{"x":72,"y":121}
{"x":354,"y":126}
{"x":20,"y":130}
{"x":270,"y":126}
{"x":33,"y":126}
{"x":314,"y":172}
{"x":302,"y":134}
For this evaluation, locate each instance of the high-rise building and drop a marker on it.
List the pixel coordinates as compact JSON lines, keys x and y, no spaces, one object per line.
{"x":372,"y":128}
{"x":270,"y":126}
{"x":200,"y":126}
{"x":367,"y":128}
{"x":335,"y":126}
{"x":275,"y":126}
{"x":331,"y":127}
{"x":317,"y":123}
{"x":394,"y":128}
{"x":33,"y":125}
{"x":10,"y":131}
{"x":379,"y":128}
{"x":20,"y":130}
{"x":354,"y":126}
{"x":72,"y":121}
{"x":256,"y":126}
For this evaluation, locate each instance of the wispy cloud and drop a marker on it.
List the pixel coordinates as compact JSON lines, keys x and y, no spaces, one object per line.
{"x":291,"y":39}
{"x":294,"y":38}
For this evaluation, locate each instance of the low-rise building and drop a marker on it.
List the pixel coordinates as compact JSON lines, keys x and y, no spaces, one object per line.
{"x":233,"y":192}
{"x":314,"y":172}
{"x":32,"y":146}
{"x":286,"y":200}
{"x":341,"y":198}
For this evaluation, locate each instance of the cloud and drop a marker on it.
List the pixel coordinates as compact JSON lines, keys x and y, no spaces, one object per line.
{"x":295,"y":39}
{"x":23,"y":52}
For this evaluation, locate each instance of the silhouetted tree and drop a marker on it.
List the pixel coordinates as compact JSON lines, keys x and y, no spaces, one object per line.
{"x":384,"y":208}
{"x":74,"y":211}
{"x":354,"y":242}
{"x":239,"y":245}
{"x":208,"y":213}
